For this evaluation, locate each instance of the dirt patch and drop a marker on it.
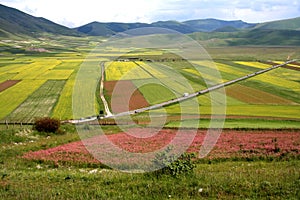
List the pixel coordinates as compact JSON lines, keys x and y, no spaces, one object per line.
{"x":7,"y":84}
{"x":121,"y":101}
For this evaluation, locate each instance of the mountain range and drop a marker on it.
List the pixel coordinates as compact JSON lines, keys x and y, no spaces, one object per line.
{"x":17,"y":23}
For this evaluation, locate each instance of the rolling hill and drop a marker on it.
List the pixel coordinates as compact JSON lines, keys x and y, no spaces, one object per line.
{"x":201,"y":25}
{"x":287,"y":24}
{"x":13,"y":21}
{"x":233,"y":33}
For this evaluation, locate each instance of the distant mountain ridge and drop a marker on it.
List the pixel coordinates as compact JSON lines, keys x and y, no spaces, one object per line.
{"x":282,"y":32}
{"x":201,"y":25}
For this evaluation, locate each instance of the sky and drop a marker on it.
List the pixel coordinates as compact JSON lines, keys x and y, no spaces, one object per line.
{"x":79,"y":12}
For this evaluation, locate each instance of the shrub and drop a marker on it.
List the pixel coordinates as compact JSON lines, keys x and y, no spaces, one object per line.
{"x":172,"y":166}
{"x":47,"y":125}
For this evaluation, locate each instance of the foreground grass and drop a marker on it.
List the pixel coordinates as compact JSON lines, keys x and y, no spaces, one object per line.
{"x":20,"y":179}
{"x":252,"y":180}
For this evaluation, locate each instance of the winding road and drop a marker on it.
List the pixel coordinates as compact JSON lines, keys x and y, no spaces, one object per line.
{"x":105,"y":104}
{"x":173,"y":101}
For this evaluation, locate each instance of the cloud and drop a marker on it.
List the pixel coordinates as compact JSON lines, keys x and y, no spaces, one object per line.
{"x":76,"y":13}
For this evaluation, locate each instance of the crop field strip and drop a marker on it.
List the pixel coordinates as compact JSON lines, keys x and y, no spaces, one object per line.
{"x":36,"y":69}
{"x":63,"y":108}
{"x":56,"y":74}
{"x":174,"y":81}
{"x":124,"y":71}
{"x":40,"y":103}
{"x":156,"y":93}
{"x":11,"y":98}
{"x":236,"y":122}
{"x":254,"y":96}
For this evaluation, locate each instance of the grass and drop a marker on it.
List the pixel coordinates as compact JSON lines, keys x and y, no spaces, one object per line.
{"x":21,"y":179}
{"x":222,"y":180}
{"x":242,"y":123}
{"x":156,"y":93}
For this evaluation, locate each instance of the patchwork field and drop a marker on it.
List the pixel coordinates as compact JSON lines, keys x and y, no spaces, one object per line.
{"x":274,"y":94}
{"x":34,"y":87}
{"x":40,"y":103}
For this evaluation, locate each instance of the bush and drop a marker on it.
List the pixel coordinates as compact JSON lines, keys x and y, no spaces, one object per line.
{"x":172,"y":166}
{"x":47,"y":125}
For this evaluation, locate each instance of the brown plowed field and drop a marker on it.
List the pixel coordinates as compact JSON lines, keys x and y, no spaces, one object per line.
{"x":7,"y":84}
{"x":254,"y":96}
{"x":121,"y":100}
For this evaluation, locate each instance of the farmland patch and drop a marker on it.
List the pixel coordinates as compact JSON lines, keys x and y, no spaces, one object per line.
{"x":63,"y":108}
{"x":7,"y":84}
{"x":156,"y":93}
{"x":254,"y":96}
{"x":254,"y":64}
{"x":124,"y":71}
{"x":11,"y":98}
{"x":56,"y":74}
{"x":40,"y":103}
{"x":121,"y":100}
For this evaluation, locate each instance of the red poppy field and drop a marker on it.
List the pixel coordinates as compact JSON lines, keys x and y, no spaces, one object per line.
{"x":231,"y":144}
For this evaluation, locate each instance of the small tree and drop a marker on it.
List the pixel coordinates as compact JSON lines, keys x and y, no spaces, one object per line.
{"x":47,"y":125}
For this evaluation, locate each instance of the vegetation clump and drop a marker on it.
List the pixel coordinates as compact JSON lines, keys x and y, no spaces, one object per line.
{"x":47,"y":125}
{"x":171,"y":165}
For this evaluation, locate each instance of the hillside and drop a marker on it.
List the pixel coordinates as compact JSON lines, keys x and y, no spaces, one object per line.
{"x":287,"y":24}
{"x":209,"y":31}
{"x":13,"y":21}
{"x":201,"y":25}
{"x":108,"y":29}
{"x":207,"y":25}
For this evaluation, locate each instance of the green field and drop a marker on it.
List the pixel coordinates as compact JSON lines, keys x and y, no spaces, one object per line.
{"x":40,"y":103}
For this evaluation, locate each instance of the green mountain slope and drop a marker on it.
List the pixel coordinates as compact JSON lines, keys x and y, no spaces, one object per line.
{"x":203,"y":25}
{"x":16,"y":22}
{"x":288,"y":24}
{"x":207,"y":25}
{"x":108,"y":29}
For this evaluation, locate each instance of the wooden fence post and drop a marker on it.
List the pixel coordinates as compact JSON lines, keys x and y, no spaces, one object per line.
{"x":6,"y":124}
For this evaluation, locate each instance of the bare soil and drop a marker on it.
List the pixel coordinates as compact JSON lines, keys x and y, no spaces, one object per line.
{"x":7,"y":84}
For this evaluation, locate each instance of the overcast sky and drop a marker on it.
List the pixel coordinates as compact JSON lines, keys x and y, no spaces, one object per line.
{"x":73,"y":13}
